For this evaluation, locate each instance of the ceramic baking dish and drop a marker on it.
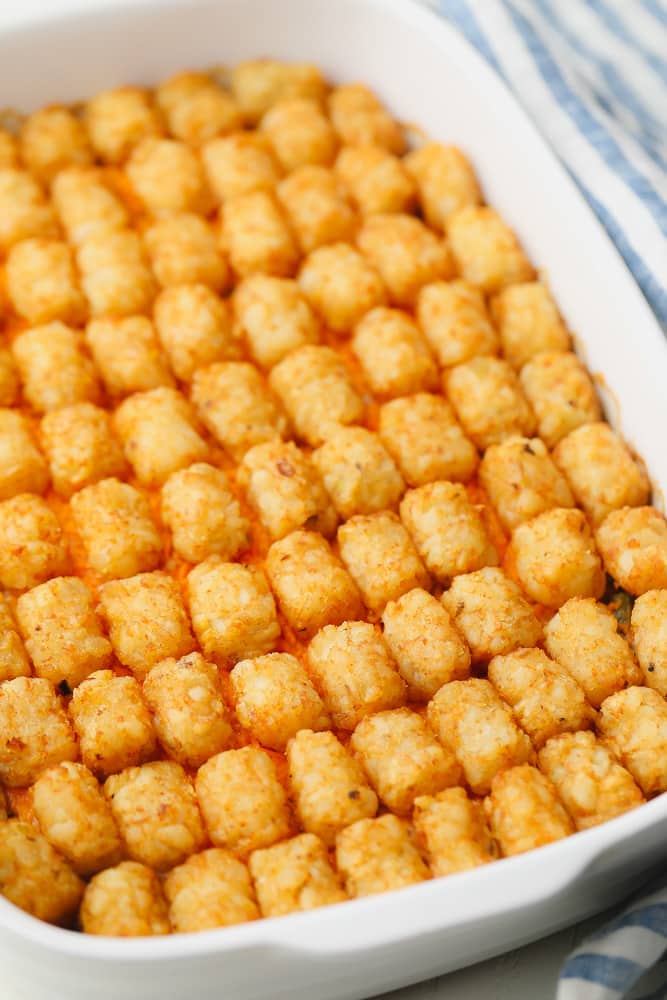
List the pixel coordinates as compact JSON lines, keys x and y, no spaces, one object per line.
{"x":427,"y":75}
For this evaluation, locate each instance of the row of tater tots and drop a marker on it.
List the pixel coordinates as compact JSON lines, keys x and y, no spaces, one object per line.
{"x":265,"y":645}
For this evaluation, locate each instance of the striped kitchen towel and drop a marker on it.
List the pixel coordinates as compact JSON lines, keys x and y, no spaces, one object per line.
{"x":618,"y":961}
{"x":592,"y":74}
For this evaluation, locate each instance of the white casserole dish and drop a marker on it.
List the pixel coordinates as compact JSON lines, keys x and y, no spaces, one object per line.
{"x":427,"y":75}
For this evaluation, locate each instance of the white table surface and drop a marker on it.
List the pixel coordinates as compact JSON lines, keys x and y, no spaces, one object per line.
{"x":528,"y":973}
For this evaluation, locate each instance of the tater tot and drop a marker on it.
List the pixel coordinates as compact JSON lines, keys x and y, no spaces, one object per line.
{"x":53,"y":367}
{"x":455,"y":322}
{"x":561,"y":393}
{"x":528,"y":322}
{"x":260,"y":83}
{"x":316,"y":206}
{"x":471,"y":720}
{"x":294,"y":876}
{"x":590,"y":782}
{"x":402,"y":758}
{"x":189,"y":712}
{"x":489,"y":401}
{"x":183,"y":250}
{"x":447,"y":529}
{"x":312,"y":588}
{"x":86,"y":206}
{"x":328,"y":785}
{"x":167,"y":177}
{"x":203,"y":514}
{"x":9,"y":150}
{"x":544,"y":697}
{"x":24,"y":210}
{"x":62,"y":633}
{"x":445,"y":180}
{"x":354,"y":671}
{"x":273,"y":317}
{"x":377,"y":855}
{"x":634,"y":725}
{"x":41,"y":283}
{"x":486,"y":250}
{"x":601,"y":471}
{"x":128,"y":355}
{"x":51,"y":139}
{"x":34,"y":876}
{"x":257,"y":237}
{"x":80,"y":447}
{"x":233,"y":403}
{"x":405,"y":252}
{"x":381,"y":558}
{"x":274,"y":698}
{"x":158,"y":434}
{"x":491,"y":612}
{"x":315,"y":388}
{"x":114,"y":273}
{"x":584,"y":638}
{"x":426,"y":645}
{"x":9,"y":378}
{"x":360,"y":119}
{"x":358,"y":473}
{"x":75,"y":817}
{"x":14,"y":660}
{"x":232,"y":609}
{"x":125,"y":901}
{"x":112,"y":722}
{"x":157,"y":814}
{"x":522,"y":480}
{"x":341,"y":285}
{"x":239,"y":164}
{"x":35,"y":732}
{"x":114,"y":522}
{"x":554,"y":558}
{"x":421,"y":434}
{"x":453,"y":830}
{"x":194,"y":328}
{"x":32,"y":544}
{"x":146,"y":620}
{"x":633,"y":544}
{"x":393,"y":355}
{"x":283,"y":487}
{"x":22,"y":467}
{"x":243,"y":803}
{"x":377,"y":181}
{"x":649,"y":637}
{"x":524,"y":811}
{"x":196,"y":108}
{"x":117,"y":120}
{"x":208,"y":890}
{"x":300,"y":133}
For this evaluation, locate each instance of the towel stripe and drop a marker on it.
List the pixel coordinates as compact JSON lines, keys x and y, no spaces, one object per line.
{"x":655,"y":8}
{"x":614,"y":23}
{"x":460,"y":13}
{"x":652,"y":917}
{"x":654,"y":292}
{"x":606,"y":970}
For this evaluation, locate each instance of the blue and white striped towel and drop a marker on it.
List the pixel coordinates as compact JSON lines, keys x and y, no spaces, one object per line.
{"x":607,"y":965}
{"x":593,"y":76}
